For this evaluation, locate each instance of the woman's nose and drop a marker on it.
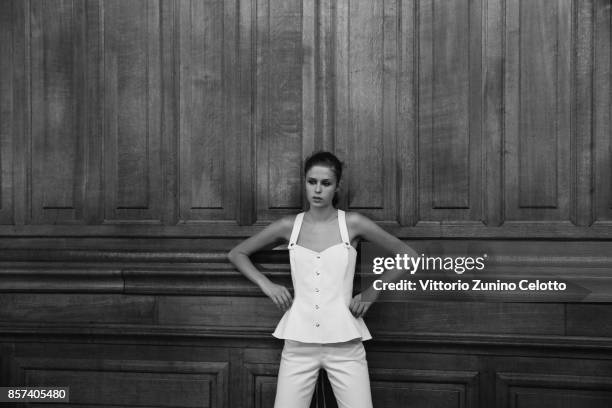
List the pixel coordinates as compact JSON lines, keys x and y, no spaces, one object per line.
{"x":318,"y":188}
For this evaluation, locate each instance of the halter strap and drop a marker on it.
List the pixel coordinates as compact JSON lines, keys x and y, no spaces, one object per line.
{"x":297,"y":224}
{"x":343,"y":229}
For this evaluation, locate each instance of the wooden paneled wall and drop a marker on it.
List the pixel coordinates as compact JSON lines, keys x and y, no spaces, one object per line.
{"x":455,"y":119}
{"x":141,"y":139}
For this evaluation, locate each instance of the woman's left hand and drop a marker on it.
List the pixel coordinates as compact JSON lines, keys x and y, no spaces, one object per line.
{"x":359,"y":307}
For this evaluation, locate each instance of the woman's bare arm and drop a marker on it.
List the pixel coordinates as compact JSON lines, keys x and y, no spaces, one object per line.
{"x":367,"y":229}
{"x":239,"y":257}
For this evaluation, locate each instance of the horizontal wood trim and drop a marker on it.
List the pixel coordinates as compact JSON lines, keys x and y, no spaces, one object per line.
{"x":499,"y":253}
{"x":555,"y":381}
{"x":438,"y":376}
{"x":122,"y":334}
{"x":422,"y":230}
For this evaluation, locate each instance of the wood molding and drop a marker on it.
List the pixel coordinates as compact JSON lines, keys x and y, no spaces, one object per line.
{"x":125,"y":333}
{"x":164,"y":382}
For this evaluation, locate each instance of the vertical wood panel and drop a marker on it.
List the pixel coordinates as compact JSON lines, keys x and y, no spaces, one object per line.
{"x":57,"y":113}
{"x":582,"y":154}
{"x":94,"y":117}
{"x":6,"y":112}
{"x":407,"y":115}
{"x":21,"y":105}
{"x":493,"y":110}
{"x":450,"y":102}
{"x":602,"y":102}
{"x":133,"y":185}
{"x":279,"y":59}
{"x":538,"y":87}
{"x":207,"y":146}
{"x":243,"y":103}
{"x":398,"y":89}
{"x":367,"y":71}
{"x":325,"y":70}
{"x":450,"y":70}
{"x":364,"y":141}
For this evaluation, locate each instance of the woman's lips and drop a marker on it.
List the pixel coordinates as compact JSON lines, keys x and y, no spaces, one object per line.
{"x":317,"y":198}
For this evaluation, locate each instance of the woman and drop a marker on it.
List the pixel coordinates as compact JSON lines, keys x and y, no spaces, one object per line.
{"x":323,"y":326}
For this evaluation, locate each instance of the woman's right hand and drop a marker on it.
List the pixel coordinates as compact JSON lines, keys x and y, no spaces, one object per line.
{"x":279,"y":294}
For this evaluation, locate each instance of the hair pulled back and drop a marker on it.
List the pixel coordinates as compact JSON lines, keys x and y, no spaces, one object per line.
{"x":326,"y":159}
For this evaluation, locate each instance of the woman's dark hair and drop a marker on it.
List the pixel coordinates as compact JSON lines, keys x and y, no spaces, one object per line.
{"x":326,"y":159}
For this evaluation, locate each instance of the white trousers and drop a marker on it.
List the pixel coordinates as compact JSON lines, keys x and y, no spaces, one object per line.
{"x":346,"y":367}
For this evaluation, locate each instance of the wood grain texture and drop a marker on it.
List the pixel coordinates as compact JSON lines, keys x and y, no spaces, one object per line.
{"x":261,"y":388}
{"x":279,"y":105}
{"x":243,"y":103}
{"x":133,"y":184}
{"x":538,"y":89}
{"x":369,"y":57}
{"x":582,"y":154}
{"x":407,"y":116}
{"x":602,"y":112}
{"x":133,"y":382}
{"x":588,"y":320}
{"x":73,"y":308}
{"x":450,"y":101}
{"x":6,"y":113}
{"x":410,"y":89}
{"x":365,"y":105}
{"x":58,"y":140}
{"x":493,"y":111}
{"x":208,"y":153}
{"x":530,"y":391}
{"x":424,"y":388}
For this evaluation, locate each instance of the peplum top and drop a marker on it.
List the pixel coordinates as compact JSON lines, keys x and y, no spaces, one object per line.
{"x":323,"y":289}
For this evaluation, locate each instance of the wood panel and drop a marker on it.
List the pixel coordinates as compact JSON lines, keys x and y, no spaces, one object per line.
{"x":538,"y":101}
{"x":130,"y":382}
{"x":208,"y":153}
{"x":583,"y":129}
{"x":450,"y":137}
{"x":111,"y":133}
{"x":6,"y":113}
{"x":260,"y":379}
{"x":524,"y":390}
{"x":589,"y":320}
{"x":424,"y":388}
{"x":602,"y":112}
{"x":212,"y":311}
{"x":57,"y":307}
{"x":133,"y":186}
{"x":280,"y":103}
{"x":367,"y":71}
{"x":58,"y":140}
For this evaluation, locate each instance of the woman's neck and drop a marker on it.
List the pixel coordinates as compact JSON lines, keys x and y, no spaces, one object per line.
{"x":322,"y":214}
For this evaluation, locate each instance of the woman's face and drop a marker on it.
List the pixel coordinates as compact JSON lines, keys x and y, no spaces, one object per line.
{"x":321,"y":186}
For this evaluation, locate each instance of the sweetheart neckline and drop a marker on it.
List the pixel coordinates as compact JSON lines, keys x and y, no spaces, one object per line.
{"x":320,"y":252}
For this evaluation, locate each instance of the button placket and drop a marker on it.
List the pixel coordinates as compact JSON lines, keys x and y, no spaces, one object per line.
{"x":317,"y":271}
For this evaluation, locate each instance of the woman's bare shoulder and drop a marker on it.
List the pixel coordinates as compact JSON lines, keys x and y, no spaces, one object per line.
{"x":285,"y":223}
{"x":358,"y":223}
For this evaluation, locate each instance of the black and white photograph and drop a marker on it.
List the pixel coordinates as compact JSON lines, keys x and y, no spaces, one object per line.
{"x":306,"y":203}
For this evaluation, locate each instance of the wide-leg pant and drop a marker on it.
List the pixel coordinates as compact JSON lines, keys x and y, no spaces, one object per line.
{"x":346,"y":367}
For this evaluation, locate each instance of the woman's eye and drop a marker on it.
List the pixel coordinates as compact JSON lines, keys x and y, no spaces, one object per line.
{"x":326,"y":184}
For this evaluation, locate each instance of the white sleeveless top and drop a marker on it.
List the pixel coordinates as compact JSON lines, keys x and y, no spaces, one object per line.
{"x":323,"y":285}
